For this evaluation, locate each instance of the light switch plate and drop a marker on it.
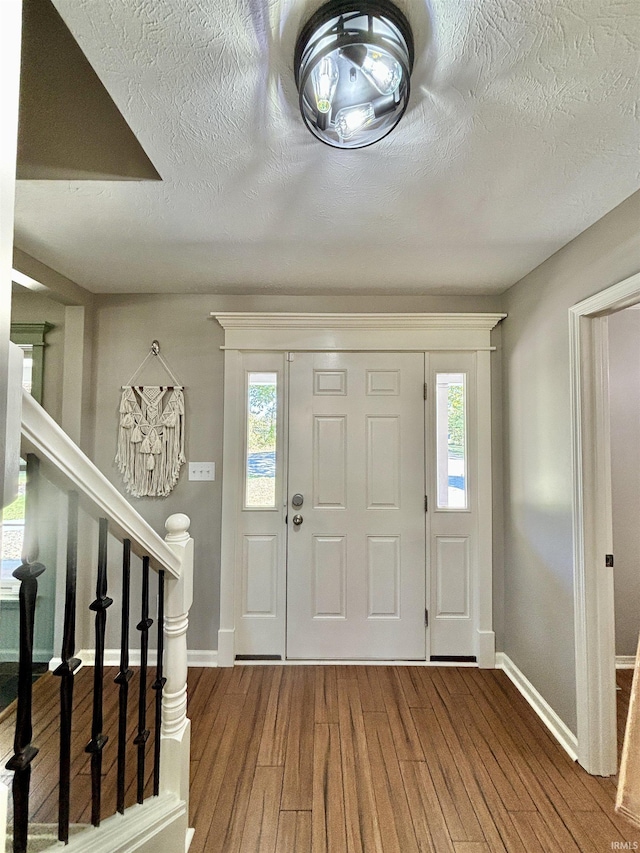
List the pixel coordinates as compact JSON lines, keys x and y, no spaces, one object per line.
{"x":202,"y":470}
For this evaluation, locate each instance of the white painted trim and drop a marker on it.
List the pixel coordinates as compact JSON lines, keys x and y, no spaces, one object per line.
{"x":565,"y":737}
{"x":67,"y":466}
{"x":293,"y":320}
{"x":371,"y":348}
{"x":231,"y":501}
{"x":210,"y":658}
{"x":277,"y":332}
{"x":624,"y":294}
{"x":314,"y":662}
{"x":11,"y":655}
{"x":486,"y":642}
{"x":195,"y":657}
{"x":153,"y":826}
{"x":291,"y":332}
{"x":226,"y":646}
{"x":625,"y":661}
{"x":593,"y":587}
{"x":202,"y":657}
{"x":485,"y":636}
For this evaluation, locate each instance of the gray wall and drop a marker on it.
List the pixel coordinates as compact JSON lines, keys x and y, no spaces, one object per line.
{"x":27,"y":307}
{"x":190,"y":341}
{"x":538,"y":575}
{"x":624,"y":399}
{"x":10,"y":27}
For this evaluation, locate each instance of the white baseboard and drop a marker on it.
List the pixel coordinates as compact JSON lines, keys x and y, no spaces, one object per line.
{"x":156,"y":826}
{"x":11,"y":655}
{"x":486,"y":645}
{"x":188,"y":839}
{"x":195,"y":657}
{"x":561,"y":732}
{"x":202,"y":657}
{"x":333,"y":662}
{"x":226,"y":646}
{"x":625,"y":661}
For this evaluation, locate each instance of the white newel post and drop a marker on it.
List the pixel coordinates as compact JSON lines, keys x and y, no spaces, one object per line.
{"x":176,"y":727}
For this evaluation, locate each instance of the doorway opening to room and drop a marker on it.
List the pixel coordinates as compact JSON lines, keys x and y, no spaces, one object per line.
{"x":624,"y":422}
{"x":594,"y":555}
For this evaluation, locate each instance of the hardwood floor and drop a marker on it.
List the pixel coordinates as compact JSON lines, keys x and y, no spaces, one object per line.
{"x":353,"y":759}
{"x":43,"y":802}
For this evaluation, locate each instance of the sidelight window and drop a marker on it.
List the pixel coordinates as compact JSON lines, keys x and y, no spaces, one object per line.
{"x":261,"y":435}
{"x":451,"y":440}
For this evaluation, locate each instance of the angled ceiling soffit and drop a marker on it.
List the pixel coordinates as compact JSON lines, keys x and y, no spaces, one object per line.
{"x":69,"y":127}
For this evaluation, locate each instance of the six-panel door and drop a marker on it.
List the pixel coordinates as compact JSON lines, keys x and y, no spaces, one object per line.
{"x":356,"y":554}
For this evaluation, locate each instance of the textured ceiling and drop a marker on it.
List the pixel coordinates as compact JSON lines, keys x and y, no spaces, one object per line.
{"x":522,"y":130}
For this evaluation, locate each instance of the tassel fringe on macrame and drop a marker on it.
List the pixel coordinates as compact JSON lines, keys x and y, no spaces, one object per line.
{"x":151,"y":439}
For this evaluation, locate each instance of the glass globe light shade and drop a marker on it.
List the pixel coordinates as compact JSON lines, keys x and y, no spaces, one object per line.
{"x":352,"y":63}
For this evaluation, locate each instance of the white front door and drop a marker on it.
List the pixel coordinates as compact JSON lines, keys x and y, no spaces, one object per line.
{"x":356,"y":538}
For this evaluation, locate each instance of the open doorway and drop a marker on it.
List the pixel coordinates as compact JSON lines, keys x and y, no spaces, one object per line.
{"x":593,"y":525}
{"x":624,"y":419}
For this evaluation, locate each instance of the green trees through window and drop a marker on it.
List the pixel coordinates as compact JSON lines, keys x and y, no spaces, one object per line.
{"x":262,"y":426}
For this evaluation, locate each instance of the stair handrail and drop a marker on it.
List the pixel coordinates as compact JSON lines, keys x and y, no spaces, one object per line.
{"x":68,"y":467}
{"x":65,"y":465}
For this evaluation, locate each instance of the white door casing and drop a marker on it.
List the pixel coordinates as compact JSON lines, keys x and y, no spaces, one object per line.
{"x":356,"y":557}
{"x":592,"y":525}
{"x":247,"y":334}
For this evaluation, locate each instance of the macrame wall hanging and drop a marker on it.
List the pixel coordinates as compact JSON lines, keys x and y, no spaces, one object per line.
{"x":151,"y":434}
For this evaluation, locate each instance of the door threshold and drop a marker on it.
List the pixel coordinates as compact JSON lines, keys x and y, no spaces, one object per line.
{"x":453,"y":659}
{"x":258,"y":658}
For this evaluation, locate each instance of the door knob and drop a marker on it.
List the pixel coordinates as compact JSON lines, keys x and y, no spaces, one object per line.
{"x":297,"y":520}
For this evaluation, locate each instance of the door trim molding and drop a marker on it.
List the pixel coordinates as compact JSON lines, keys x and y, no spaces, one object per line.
{"x":593,"y":585}
{"x":296,"y":320}
{"x":280,"y":332}
{"x":397,"y":332}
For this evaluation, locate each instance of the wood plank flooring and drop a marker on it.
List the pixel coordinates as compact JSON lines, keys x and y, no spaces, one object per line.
{"x":43,"y":801}
{"x":352,"y":759}
{"x":356,"y":759}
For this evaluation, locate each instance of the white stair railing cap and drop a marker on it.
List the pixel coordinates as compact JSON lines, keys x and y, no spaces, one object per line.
{"x":177,"y":526}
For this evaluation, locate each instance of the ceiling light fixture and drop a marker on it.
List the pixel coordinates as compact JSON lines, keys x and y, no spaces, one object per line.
{"x":352,"y":64}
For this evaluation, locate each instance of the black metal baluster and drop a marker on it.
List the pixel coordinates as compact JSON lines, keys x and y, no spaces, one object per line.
{"x":124,"y":676}
{"x":24,"y":752}
{"x":158,"y":686}
{"x":98,"y":739}
{"x":67,"y":668}
{"x":143,"y":626}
